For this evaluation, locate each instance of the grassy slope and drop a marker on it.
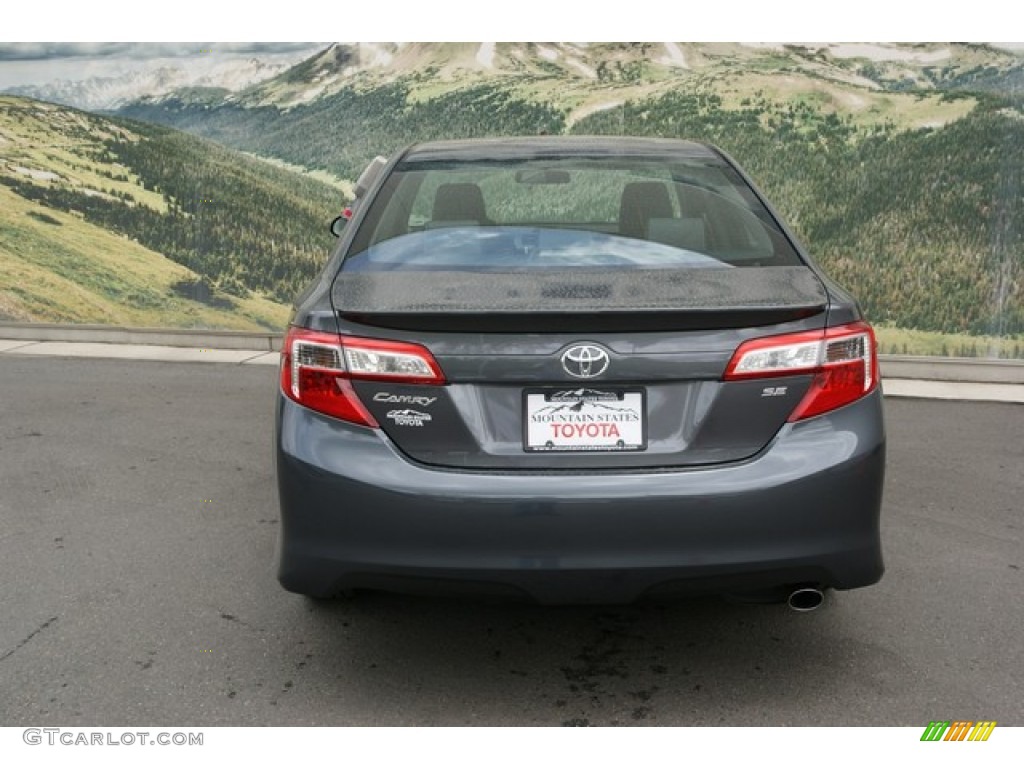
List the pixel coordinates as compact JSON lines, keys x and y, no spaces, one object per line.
{"x":57,"y":267}
{"x":36,"y":136}
{"x":241,"y":223}
{"x":906,"y":341}
{"x":73,"y":271}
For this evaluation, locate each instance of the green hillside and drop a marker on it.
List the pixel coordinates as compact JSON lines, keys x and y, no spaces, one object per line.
{"x":923,"y":226}
{"x":108,"y":220}
{"x":340,"y":133}
{"x":56,"y":267}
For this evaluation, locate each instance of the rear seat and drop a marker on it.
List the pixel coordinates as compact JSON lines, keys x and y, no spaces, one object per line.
{"x":689,"y":233}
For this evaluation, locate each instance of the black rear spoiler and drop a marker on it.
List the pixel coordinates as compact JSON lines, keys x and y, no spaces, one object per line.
{"x":543,"y":301}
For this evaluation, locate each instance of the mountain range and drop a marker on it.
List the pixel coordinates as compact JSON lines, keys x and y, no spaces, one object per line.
{"x":108,"y":84}
{"x":588,"y":76}
{"x":899,"y":165}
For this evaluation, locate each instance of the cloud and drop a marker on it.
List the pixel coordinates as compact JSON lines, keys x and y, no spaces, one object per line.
{"x":52,"y":51}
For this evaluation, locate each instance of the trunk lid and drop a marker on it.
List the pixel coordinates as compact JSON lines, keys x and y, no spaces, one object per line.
{"x":581,"y":371}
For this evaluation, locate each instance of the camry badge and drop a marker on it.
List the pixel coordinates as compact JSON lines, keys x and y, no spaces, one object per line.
{"x":585,"y":361}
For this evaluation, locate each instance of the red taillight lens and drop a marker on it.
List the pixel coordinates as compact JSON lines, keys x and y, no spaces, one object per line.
{"x":842,"y":360}
{"x":317,"y":368}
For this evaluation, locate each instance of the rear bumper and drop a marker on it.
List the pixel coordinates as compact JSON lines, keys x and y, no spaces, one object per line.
{"x":356,"y":513}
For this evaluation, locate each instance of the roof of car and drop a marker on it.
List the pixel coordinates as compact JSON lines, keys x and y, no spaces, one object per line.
{"x":524,"y":147}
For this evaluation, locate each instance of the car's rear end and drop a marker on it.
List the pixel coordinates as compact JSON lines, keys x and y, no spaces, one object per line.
{"x":576,"y":370}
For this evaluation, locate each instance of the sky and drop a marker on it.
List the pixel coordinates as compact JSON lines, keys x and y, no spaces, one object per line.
{"x":512,"y":20}
{"x":41,"y":62}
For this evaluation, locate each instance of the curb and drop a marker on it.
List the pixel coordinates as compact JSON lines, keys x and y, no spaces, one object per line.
{"x":267,"y":341}
{"x":151,"y":352}
{"x":963,"y":369}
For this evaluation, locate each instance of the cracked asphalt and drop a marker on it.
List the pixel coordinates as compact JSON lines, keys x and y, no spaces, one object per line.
{"x":139,"y":521}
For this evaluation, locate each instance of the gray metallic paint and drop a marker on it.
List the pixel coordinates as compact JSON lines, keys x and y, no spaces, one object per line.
{"x":357,"y":512}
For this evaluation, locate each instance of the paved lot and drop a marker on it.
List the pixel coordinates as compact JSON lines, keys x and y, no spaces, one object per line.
{"x":137,"y":530}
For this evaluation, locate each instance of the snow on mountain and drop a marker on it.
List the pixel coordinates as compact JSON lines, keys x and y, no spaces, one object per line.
{"x":485,"y":55}
{"x":675,"y":55}
{"x":132,"y":79}
{"x":592,"y":76}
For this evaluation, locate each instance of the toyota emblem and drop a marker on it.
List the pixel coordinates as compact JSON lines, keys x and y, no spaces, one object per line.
{"x":585,"y":361}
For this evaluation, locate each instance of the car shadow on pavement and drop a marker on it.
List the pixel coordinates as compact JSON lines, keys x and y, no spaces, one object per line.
{"x":697,"y":661}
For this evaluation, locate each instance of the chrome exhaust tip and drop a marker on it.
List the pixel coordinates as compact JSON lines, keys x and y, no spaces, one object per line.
{"x":805,"y":599}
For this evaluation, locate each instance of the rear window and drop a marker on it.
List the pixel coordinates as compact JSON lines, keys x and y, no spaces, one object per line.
{"x":566,"y":213}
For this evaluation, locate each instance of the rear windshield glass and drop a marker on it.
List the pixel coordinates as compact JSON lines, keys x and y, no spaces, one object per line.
{"x":566,"y":213}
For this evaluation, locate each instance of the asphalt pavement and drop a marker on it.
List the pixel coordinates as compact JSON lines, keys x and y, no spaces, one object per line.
{"x":138,"y":521}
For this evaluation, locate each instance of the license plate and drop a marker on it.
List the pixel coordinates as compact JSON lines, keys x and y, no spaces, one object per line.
{"x":584,"y":419}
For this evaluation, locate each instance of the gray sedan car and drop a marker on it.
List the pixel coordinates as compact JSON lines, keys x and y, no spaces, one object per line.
{"x":576,"y":370}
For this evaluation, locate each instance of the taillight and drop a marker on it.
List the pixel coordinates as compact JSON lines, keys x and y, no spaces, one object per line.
{"x":317,"y":369}
{"x":380,"y":360}
{"x":841,"y":359}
